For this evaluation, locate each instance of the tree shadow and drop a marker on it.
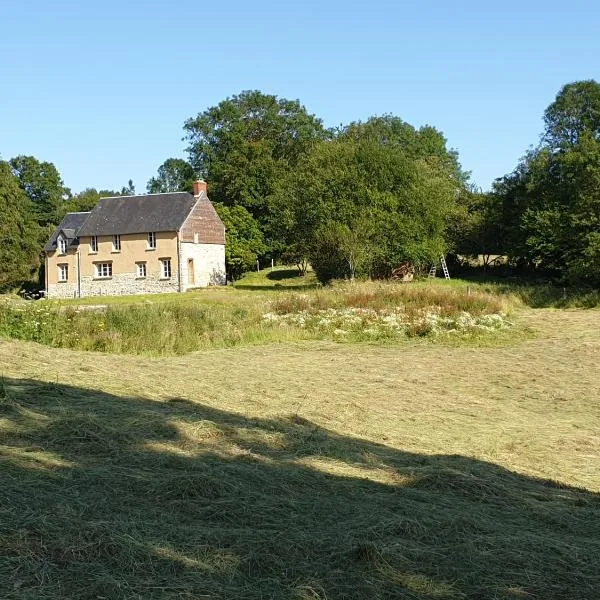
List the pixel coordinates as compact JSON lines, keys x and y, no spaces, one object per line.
{"x":110,"y":497}
{"x":536,"y":292}
{"x":284,"y":274}
{"x":299,"y":287}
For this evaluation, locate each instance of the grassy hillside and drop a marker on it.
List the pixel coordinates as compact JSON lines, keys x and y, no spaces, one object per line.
{"x":305,"y":470}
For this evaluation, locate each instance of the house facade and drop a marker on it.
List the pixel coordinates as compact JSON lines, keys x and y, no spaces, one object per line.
{"x":137,"y":245}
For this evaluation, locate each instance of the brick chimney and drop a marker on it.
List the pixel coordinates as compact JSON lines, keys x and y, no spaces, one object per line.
{"x":199,"y":186}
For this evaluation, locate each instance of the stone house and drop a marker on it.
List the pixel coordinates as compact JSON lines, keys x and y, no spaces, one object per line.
{"x":137,"y":245}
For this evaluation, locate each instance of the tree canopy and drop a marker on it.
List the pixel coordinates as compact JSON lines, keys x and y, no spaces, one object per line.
{"x":19,"y":232}
{"x":245,"y":147}
{"x":174,"y":175}
{"x":43,"y":185}
{"x":551,"y":202}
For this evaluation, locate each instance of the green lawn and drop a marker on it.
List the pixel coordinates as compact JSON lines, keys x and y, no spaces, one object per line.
{"x":305,"y":469}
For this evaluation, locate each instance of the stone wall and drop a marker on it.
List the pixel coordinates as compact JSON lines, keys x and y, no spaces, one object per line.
{"x":62,"y":290}
{"x":127,"y":284}
{"x":209,"y":265}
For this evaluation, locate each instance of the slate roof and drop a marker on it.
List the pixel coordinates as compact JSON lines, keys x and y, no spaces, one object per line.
{"x":69,"y":226}
{"x":138,"y":214}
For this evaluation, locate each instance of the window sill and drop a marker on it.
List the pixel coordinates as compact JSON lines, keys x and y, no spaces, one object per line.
{"x":93,"y":252}
{"x":166,"y":278}
{"x":115,"y":252}
{"x":101,"y":278}
{"x":139,"y":278}
{"x":63,"y":281}
{"x":150,"y":249}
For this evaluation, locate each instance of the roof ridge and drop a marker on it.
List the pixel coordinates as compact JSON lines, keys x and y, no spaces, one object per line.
{"x":143,"y":195}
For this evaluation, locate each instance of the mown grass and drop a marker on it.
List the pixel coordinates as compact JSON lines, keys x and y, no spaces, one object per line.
{"x":304,"y":471}
{"x":217,"y":318}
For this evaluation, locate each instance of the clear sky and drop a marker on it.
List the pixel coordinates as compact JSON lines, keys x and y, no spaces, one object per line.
{"x":102,"y":88}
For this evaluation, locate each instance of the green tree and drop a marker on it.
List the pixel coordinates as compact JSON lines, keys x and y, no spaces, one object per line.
{"x":553,"y":197}
{"x":575,"y":111}
{"x":129,"y":189}
{"x":363,"y":207}
{"x":43,"y":185}
{"x":246,"y":145}
{"x":19,"y":233}
{"x":174,"y":175}
{"x":244,"y":239}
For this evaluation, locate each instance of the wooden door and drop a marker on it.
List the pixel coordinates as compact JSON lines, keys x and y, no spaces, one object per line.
{"x":191,"y":275}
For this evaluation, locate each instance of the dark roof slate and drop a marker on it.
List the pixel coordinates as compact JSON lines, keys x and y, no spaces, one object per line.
{"x":69,"y":226}
{"x":138,"y":214}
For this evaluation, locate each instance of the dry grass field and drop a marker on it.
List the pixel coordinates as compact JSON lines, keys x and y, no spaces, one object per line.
{"x":306,"y":469}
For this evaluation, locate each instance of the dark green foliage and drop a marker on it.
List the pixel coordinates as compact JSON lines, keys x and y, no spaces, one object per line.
{"x":363,"y":206}
{"x":246,"y":145}
{"x":19,"y":233}
{"x":174,"y":175}
{"x":43,"y":185}
{"x":551,"y":202}
{"x":575,"y":111}
{"x":245,"y":241}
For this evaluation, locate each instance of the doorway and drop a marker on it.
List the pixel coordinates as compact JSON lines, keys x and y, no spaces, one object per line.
{"x":191,"y":274}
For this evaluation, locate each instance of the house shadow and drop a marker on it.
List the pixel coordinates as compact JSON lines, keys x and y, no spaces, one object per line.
{"x":111,"y":497}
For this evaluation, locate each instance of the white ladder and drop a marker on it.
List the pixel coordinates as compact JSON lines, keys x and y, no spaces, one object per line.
{"x":433,"y":269}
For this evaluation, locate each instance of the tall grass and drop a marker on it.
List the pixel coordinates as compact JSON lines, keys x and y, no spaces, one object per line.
{"x":173,"y":327}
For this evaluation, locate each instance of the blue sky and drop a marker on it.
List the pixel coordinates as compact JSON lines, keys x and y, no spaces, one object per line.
{"x":102,"y":88}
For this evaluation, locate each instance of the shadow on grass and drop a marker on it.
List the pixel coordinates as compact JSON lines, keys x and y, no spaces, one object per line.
{"x":109,"y":497}
{"x":284,"y":274}
{"x":536,"y":293}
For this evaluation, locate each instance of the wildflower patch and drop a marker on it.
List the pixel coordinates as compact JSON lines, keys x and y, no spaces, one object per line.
{"x":373,"y":323}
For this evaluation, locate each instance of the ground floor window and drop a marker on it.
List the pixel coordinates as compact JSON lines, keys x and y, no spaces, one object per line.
{"x":63,"y":272}
{"x":165,"y":267}
{"x":103,"y":270}
{"x":141,"y":269}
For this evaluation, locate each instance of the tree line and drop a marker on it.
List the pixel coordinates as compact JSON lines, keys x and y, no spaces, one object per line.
{"x":353,"y":201}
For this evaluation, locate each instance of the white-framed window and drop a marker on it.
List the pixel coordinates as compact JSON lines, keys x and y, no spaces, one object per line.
{"x":103,"y":270}
{"x":116,"y":243}
{"x":140,"y":269}
{"x":94,"y":243}
{"x":165,"y":268}
{"x":152,"y":240}
{"x":63,"y":272}
{"x":62,"y":244}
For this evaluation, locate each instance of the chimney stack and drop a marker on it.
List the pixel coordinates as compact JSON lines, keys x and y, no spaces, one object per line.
{"x":199,"y":186}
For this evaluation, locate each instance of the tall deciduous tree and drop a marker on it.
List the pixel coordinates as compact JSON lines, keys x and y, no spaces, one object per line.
{"x":19,"y":233}
{"x":246,"y":145}
{"x":553,"y":197}
{"x":575,"y":111}
{"x":42,"y":183}
{"x":174,"y":175}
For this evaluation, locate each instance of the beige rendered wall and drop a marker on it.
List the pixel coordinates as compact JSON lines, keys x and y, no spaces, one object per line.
{"x":134,"y":248}
{"x":61,"y":289}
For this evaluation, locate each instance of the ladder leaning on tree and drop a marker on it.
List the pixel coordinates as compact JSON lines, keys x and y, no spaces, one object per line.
{"x":433,"y":269}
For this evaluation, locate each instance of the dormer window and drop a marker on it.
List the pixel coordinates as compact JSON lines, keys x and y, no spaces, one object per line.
{"x":62,"y":244}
